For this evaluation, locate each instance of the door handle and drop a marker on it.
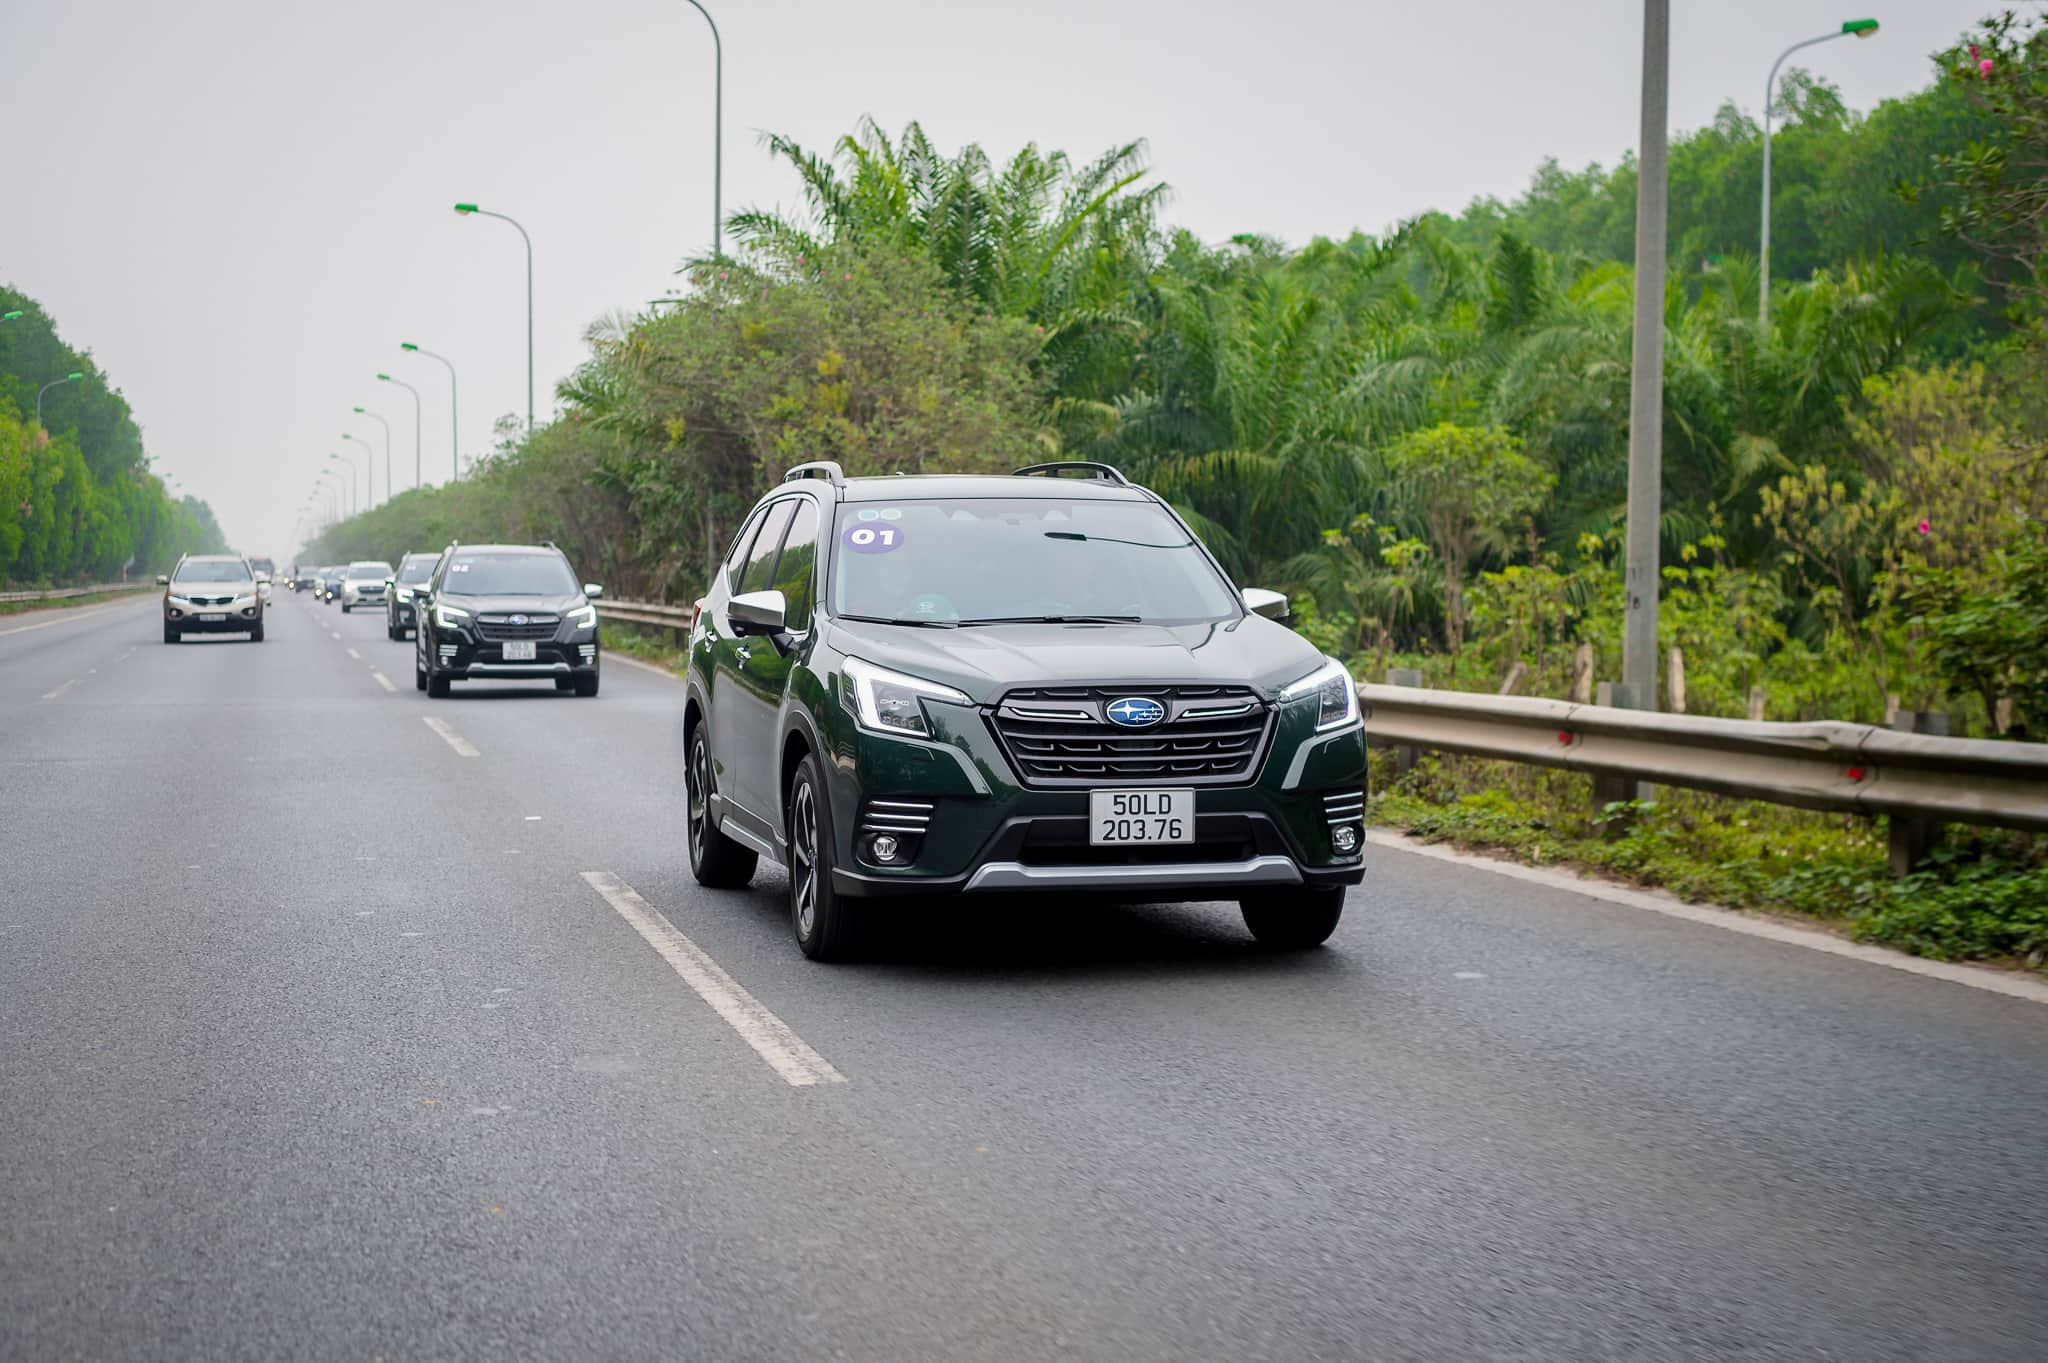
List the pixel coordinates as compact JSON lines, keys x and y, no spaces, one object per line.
{"x":741,"y":654}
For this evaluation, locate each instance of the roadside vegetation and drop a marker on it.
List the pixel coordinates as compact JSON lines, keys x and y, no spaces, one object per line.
{"x":1422,"y":435}
{"x":77,"y":498}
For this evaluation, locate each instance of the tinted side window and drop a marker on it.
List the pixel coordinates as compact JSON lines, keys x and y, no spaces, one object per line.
{"x":760,"y":564}
{"x":795,"y":571}
{"x":738,"y":553}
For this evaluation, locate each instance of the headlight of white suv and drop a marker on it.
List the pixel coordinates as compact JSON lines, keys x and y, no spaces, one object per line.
{"x":891,"y":703}
{"x":1337,"y":696}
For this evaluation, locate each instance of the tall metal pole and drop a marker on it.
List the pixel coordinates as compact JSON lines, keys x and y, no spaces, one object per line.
{"x":1646,"y":379}
{"x":454,"y":417}
{"x":1861,"y":28}
{"x":53,"y":383}
{"x":348,"y":462}
{"x":717,"y":133}
{"x":390,"y":488}
{"x":466,"y":208}
{"x":371,"y":451}
{"x":416,"y":425}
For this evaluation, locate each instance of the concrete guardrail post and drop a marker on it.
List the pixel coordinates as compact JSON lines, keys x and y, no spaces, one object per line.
{"x":1404,"y":756}
{"x":1910,"y":839}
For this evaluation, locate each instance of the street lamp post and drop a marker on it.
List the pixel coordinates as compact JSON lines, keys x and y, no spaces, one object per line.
{"x":717,"y":132}
{"x":371,"y":460}
{"x":1859,"y":28}
{"x":454,"y":417}
{"x":390,"y":488}
{"x":349,"y":463}
{"x":465,"y":210}
{"x":10,"y":316}
{"x":53,"y":383}
{"x":386,"y":378}
{"x":347,"y":490}
{"x":1646,"y":372}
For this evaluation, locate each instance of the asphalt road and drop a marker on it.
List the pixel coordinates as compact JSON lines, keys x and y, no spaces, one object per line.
{"x":316,"y":1042}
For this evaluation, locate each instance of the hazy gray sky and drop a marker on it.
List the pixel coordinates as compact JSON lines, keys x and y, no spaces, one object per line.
{"x":243,"y":206}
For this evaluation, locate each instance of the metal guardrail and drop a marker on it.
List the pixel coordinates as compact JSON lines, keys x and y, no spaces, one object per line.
{"x":1853,"y":768}
{"x":61,"y":593}
{"x":645,"y":613}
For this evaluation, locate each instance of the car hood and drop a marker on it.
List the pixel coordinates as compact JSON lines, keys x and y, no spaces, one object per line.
{"x":530,"y":605}
{"x":211,"y":589}
{"x":987,"y":660}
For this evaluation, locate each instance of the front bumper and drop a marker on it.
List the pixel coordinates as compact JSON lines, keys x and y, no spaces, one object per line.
{"x":988,"y":833}
{"x":463,"y":656}
{"x":234,"y":622}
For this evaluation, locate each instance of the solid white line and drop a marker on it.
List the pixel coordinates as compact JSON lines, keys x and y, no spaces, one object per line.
{"x":786,"y":1052}
{"x":67,"y":618}
{"x":357,"y":656}
{"x":52,"y":695}
{"x":455,"y":740}
{"x":642,"y":664}
{"x":383,"y":681}
{"x":2011,"y":984}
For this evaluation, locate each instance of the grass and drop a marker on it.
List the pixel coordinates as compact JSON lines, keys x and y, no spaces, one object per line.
{"x":656,"y":647}
{"x":1982,"y":897}
{"x":63,"y":603}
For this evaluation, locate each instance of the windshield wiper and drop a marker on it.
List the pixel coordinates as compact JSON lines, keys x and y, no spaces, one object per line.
{"x":891,"y":620}
{"x":1058,"y":620}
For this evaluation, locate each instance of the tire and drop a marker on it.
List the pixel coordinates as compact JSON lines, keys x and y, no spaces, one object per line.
{"x":256,"y":634}
{"x":715,"y":860}
{"x":1294,"y":920}
{"x":344,"y":608}
{"x":419,"y":675}
{"x":171,"y":635}
{"x":586,"y":687}
{"x":437,"y":687}
{"x":824,"y":923}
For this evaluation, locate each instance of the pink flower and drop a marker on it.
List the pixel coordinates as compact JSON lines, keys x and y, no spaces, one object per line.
{"x":1985,"y":66}
{"x":1973,"y":51}
{"x":1924,"y":527}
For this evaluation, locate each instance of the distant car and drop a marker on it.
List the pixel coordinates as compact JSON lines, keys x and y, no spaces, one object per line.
{"x":305,"y":579}
{"x":212,"y":594}
{"x":508,"y":611}
{"x":413,"y":571}
{"x":362,"y":584}
{"x":330,"y":583}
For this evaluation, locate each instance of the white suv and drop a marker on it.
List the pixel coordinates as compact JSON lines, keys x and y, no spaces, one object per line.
{"x":363,"y":585}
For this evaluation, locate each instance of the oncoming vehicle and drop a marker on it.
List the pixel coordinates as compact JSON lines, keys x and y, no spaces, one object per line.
{"x":212,"y":594}
{"x":413,"y":571}
{"x":506,"y":611}
{"x":305,"y":579}
{"x":362,"y":584}
{"x":968,"y":685}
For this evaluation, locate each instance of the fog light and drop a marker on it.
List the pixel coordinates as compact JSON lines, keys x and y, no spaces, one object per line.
{"x":884,"y":848}
{"x":1345,"y":839}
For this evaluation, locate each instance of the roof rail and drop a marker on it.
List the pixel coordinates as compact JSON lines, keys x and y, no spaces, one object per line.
{"x":1106,"y":473}
{"x":818,"y":468}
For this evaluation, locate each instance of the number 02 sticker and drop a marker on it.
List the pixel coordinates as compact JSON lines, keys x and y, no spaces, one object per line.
{"x":872,"y":539}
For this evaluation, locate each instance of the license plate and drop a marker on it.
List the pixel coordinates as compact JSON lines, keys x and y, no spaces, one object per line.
{"x":519,"y":651}
{"x":209,"y":619}
{"x":1118,"y":817}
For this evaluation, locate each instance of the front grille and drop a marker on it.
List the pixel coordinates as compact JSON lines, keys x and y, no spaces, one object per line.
{"x":497,"y":629}
{"x":1058,"y":736}
{"x":1064,"y":842}
{"x":211,"y":600}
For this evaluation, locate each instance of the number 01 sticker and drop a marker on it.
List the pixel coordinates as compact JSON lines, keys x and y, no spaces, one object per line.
{"x":872,"y":539}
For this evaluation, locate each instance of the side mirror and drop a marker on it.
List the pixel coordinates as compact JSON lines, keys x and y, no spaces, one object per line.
{"x":263,"y":579}
{"x":1272,"y":605}
{"x":592,"y":590}
{"x":757,"y":613}
{"x":162,"y":580}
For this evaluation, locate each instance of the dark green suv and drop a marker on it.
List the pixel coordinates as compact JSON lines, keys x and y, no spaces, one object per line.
{"x":1040,"y":683}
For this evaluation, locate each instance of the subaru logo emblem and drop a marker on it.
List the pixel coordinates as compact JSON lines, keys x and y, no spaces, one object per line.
{"x":516,"y":619}
{"x":1134,"y":712}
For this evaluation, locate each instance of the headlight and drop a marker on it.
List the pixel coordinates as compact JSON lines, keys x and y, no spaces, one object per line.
{"x":584,"y":617}
{"x":1337,"y":697}
{"x":891,"y":703}
{"x":402,"y":593}
{"x":447,"y":617}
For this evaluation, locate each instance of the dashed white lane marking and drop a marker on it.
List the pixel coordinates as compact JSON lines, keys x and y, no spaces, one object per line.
{"x":357,"y":656}
{"x":337,"y":634}
{"x":786,"y":1052}
{"x":533,"y":818}
{"x":2013,"y":985}
{"x":60,"y":690}
{"x":453,"y":739}
{"x":383,"y":681}
{"x":1468,"y":974}
{"x":65,"y":619}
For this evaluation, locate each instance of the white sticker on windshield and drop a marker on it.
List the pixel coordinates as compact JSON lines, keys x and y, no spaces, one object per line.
{"x":868,"y":513}
{"x":892,"y":513}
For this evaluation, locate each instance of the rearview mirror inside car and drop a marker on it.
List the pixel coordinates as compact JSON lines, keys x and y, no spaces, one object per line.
{"x":757,"y":613}
{"x":1272,"y":605}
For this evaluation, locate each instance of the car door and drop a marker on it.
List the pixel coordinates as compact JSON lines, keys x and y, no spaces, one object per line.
{"x":735,"y":699}
{"x":764,"y":664}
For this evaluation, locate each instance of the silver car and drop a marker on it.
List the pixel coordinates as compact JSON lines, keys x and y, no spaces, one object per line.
{"x":362,"y":584}
{"x":212,"y":594}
